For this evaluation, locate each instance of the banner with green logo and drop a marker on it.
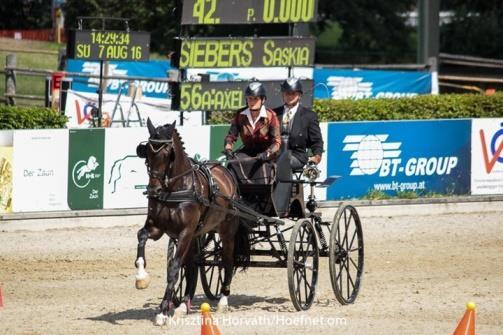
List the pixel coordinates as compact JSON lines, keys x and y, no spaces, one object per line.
{"x":86,"y":157}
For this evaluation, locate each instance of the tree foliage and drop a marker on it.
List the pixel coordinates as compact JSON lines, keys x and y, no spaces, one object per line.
{"x":476,"y":28}
{"x":372,"y":31}
{"x":25,"y":14}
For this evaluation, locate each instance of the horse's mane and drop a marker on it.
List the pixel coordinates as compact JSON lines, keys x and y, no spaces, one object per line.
{"x":177,"y":139}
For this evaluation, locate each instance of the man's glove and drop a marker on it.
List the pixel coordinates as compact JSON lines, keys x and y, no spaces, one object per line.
{"x":263,"y":156}
{"x":228,"y":154}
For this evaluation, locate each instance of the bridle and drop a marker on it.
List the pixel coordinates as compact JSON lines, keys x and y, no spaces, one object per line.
{"x":164,"y":178}
{"x":161,"y":145}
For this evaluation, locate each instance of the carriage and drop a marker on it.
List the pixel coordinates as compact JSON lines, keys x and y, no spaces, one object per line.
{"x":293,"y":238}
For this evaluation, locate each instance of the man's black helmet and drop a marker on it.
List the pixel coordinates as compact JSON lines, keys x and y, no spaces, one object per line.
{"x":255,"y":89}
{"x":291,"y":85}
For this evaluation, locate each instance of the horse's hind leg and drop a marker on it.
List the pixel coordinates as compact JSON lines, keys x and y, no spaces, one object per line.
{"x":190,"y":277}
{"x":184,"y":243}
{"x":228,"y":262}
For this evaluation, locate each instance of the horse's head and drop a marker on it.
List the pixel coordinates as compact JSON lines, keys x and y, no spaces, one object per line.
{"x":158,"y":154}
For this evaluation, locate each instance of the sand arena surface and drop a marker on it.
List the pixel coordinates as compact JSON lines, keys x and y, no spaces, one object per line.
{"x":419,"y":273}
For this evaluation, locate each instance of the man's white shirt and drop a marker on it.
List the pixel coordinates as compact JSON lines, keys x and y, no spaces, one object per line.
{"x":289,"y":113}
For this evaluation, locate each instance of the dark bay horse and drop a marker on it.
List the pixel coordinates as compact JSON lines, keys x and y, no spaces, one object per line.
{"x":185,"y":203}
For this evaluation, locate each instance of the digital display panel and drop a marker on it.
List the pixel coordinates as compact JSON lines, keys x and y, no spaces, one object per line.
{"x":245,"y":52}
{"x":226,"y":96}
{"x":109,"y":45}
{"x":214,"y":12}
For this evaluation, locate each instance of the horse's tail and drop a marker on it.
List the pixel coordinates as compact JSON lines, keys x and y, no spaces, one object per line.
{"x":242,"y":247}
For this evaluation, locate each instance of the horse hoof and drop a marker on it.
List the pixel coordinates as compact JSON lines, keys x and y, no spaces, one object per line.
{"x":180,"y":311}
{"x":223,"y":305}
{"x":142,"y":283}
{"x":222,"y":308}
{"x":160,"y":319}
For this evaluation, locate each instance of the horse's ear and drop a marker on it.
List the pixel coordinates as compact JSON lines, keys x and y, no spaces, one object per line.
{"x":151,"y":128}
{"x":173,"y":124}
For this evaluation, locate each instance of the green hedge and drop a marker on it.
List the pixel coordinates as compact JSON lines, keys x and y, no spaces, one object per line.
{"x":13,"y":117}
{"x":445,"y":106}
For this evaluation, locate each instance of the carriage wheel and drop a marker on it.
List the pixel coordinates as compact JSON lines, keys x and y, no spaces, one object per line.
{"x":181,"y":289}
{"x":302,"y":265}
{"x":346,"y":254}
{"x":212,"y":276}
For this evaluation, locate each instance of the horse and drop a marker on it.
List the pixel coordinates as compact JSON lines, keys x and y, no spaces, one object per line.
{"x":185,"y":202}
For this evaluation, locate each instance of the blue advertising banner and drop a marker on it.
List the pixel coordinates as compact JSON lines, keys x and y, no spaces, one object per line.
{"x":152,"y":69}
{"x":399,"y":156}
{"x":356,"y":84}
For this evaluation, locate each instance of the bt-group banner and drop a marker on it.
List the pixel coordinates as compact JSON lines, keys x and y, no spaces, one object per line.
{"x":361,"y":84}
{"x":403,"y":156}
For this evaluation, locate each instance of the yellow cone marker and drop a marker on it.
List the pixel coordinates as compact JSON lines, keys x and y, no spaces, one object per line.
{"x":205,"y":307}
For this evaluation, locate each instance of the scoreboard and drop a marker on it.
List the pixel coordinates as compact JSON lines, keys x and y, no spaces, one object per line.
{"x":245,"y":52}
{"x":211,"y":12}
{"x":109,"y":45}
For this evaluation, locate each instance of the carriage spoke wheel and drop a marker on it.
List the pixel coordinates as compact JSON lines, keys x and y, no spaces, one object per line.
{"x":302,"y":265}
{"x":212,"y":275}
{"x":346,"y":254}
{"x":181,"y":288}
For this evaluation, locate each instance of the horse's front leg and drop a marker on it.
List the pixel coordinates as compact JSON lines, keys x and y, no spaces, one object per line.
{"x":142,"y":277}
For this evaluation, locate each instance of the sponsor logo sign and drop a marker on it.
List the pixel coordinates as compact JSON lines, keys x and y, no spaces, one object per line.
{"x":5,"y":179}
{"x":40,"y":168}
{"x":125,"y":173}
{"x":150,"y":69}
{"x":487,"y":156}
{"x":356,"y":84}
{"x":86,"y":158}
{"x":394,"y":157}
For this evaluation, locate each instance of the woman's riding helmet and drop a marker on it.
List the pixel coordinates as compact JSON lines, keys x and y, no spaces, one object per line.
{"x":255,"y":89}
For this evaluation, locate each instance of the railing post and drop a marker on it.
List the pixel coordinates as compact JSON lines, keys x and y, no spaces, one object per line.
{"x":10,"y":79}
{"x":62,"y":59}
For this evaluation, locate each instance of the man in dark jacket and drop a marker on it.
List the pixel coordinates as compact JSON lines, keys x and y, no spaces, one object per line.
{"x":300,"y":124}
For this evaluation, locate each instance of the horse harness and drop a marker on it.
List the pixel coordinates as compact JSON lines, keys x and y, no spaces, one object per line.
{"x":190,"y":194}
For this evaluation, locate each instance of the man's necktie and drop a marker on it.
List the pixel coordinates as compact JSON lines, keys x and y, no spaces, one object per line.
{"x":286,"y":120}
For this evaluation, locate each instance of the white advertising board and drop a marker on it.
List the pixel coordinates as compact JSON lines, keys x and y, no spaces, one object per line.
{"x":6,"y":138}
{"x":40,"y":174}
{"x":197,"y":140}
{"x":487,"y":156}
{"x":125,"y":173}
